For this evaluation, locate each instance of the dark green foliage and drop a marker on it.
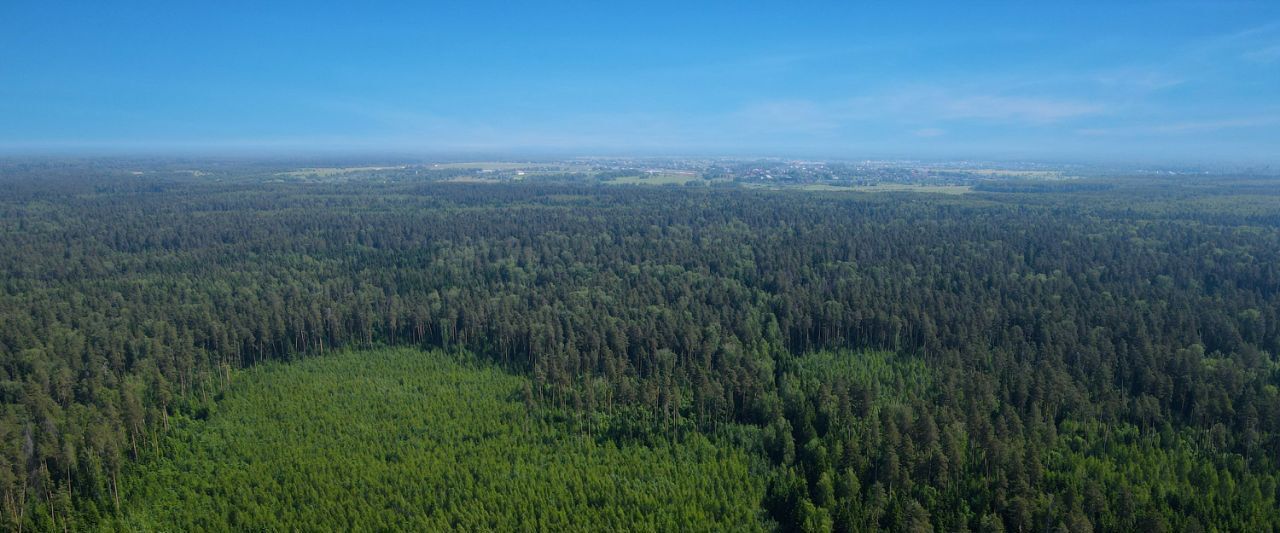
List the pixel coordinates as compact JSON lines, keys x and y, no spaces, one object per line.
{"x":1096,"y":357}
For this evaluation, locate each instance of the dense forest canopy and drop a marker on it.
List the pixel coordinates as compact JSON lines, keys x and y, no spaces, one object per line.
{"x":405,"y":440}
{"x":1031,"y":355}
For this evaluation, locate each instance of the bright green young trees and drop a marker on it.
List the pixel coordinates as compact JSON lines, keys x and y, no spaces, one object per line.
{"x":410,"y":440}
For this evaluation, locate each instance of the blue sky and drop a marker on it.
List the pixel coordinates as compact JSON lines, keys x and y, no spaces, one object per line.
{"x":1176,"y":81}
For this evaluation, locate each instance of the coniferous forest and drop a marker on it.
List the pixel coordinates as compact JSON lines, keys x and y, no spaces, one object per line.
{"x":185,"y":352}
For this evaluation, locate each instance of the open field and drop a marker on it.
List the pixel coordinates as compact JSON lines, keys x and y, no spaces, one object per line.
{"x":1002,"y":173}
{"x":473,"y":179}
{"x":656,"y":179}
{"x":488,"y":165}
{"x":898,"y":187}
{"x":531,"y":167}
{"x":331,"y":171}
{"x":884,"y":187}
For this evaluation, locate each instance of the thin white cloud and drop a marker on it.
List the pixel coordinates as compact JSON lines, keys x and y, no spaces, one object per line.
{"x":1259,"y":44}
{"x":789,"y":115}
{"x":1215,"y":125}
{"x":912,"y":106}
{"x":1140,"y":80}
{"x":1012,"y":108}
{"x":1267,"y":55}
{"x":1184,"y":127}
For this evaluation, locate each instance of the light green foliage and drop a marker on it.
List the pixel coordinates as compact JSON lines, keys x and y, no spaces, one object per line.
{"x":1153,"y":471}
{"x":402,"y":439}
{"x":888,"y":377}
